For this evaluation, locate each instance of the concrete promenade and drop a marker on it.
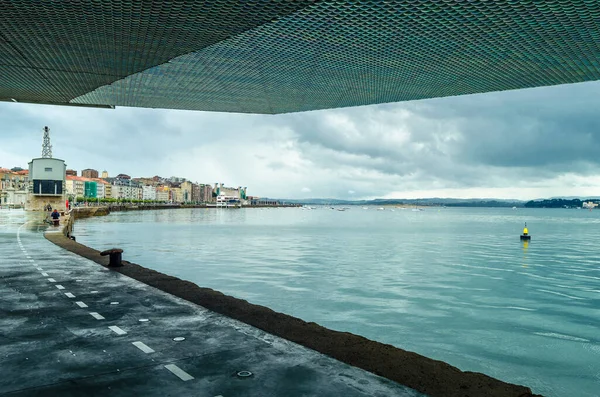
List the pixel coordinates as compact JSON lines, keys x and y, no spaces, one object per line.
{"x":70,"y":327}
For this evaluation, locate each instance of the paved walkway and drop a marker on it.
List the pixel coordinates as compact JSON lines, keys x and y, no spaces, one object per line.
{"x":70,"y":327}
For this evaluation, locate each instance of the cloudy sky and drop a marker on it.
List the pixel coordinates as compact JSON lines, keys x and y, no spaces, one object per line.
{"x":522,"y":144}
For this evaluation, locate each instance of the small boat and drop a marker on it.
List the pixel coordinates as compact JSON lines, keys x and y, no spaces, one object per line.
{"x":380,"y":209}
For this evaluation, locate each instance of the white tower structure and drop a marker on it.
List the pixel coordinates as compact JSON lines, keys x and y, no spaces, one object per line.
{"x":46,"y":146}
{"x":47,"y":177}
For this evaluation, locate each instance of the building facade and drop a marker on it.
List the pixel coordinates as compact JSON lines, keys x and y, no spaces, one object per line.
{"x":186,"y":192}
{"x":47,"y":177}
{"x":107,"y":190}
{"x":124,"y":188}
{"x":206,"y":193}
{"x":239,"y":192}
{"x":163,"y":194}
{"x":75,"y":186}
{"x":89,"y":173}
{"x":13,"y":187}
{"x":176,"y":195}
{"x":148,"y":193}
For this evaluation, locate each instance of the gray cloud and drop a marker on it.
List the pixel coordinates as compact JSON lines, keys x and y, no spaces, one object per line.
{"x":546,"y":138}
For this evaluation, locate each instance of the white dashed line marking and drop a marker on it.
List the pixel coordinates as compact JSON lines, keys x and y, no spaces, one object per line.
{"x":51,"y":279}
{"x":39,"y":268}
{"x":114,"y":303}
{"x":97,"y":316}
{"x":117,"y":330}
{"x":93,"y":292}
{"x":45,"y":274}
{"x":143,"y":347}
{"x":181,"y":374}
{"x":59,"y":286}
{"x":81,"y":304}
{"x":31,"y":260}
{"x":69,"y":295}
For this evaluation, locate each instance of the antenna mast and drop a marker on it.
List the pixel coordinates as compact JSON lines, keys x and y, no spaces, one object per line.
{"x":46,"y":146}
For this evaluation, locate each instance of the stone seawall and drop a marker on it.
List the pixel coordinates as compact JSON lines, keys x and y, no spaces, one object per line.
{"x":432,"y":377}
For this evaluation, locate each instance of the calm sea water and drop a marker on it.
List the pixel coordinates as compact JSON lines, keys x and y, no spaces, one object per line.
{"x":452,"y":284}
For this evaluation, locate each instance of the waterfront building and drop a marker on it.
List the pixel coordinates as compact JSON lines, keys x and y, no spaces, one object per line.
{"x":163,"y":194}
{"x":196,"y":193}
{"x":107,"y":190}
{"x":71,"y":172}
{"x":228,"y":201}
{"x":206,"y":193}
{"x":13,"y":197}
{"x":75,"y":186}
{"x":90,"y":189}
{"x":176,"y":195}
{"x":126,"y":189}
{"x":9,"y":178}
{"x":118,"y":192}
{"x":13,"y":187}
{"x":148,"y":192}
{"x":100,"y":188}
{"x":239,"y":192}
{"x":262,"y":201}
{"x":186,"y":191}
{"x":89,"y":173}
{"x":47,"y":178}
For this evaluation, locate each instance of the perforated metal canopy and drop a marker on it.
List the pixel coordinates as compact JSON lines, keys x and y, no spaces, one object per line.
{"x":269,"y":56}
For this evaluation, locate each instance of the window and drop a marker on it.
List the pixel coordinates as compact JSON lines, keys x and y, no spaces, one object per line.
{"x":48,"y":169}
{"x":42,"y":187}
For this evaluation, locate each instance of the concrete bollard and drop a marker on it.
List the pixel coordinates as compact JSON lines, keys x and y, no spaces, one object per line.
{"x":114,"y":257}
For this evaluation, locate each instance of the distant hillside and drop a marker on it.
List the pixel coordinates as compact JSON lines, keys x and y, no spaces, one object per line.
{"x":448,"y":202}
{"x":558,"y":203}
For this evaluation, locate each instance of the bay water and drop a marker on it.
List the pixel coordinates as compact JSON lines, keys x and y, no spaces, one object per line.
{"x":453,"y":284}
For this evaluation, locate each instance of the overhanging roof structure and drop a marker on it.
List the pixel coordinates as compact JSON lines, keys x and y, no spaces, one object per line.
{"x":278,"y":56}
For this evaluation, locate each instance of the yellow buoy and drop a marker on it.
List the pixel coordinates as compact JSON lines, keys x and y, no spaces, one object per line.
{"x":525,"y":236}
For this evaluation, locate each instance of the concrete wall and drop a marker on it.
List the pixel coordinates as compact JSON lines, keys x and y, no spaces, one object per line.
{"x":38,"y":203}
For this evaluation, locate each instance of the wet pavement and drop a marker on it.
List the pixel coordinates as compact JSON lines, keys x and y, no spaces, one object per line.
{"x":71,"y":327}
